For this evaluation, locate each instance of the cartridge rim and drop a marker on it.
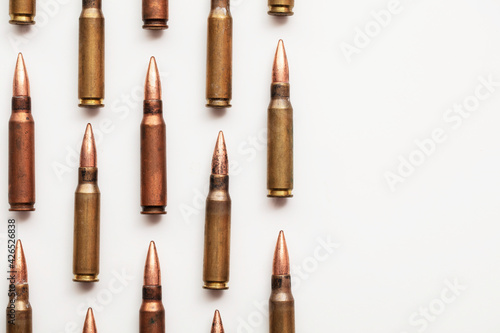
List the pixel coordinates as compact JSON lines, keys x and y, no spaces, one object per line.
{"x":91,"y":103}
{"x":218,"y":103}
{"x":279,"y":193}
{"x":22,"y":207}
{"x":216,"y":285}
{"x":277,"y":10}
{"x":85,"y":278}
{"x":19,"y":19}
{"x":153,"y":210}
{"x":155,"y":25}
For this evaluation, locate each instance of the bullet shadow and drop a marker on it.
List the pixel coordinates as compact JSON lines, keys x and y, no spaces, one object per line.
{"x":91,"y":112}
{"x":154,"y":219}
{"x":217,"y":112}
{"x":154,"y":34}
{"x":85,"y":287}
{"x":214,"y":294}
{"x":21,"y":216}
{"x":279,"y":21}
{"x":279,"y":202}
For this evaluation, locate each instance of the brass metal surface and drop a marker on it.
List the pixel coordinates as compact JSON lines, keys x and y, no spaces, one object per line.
{"x":155,"y":14}
{"x":219,"y":55}
{"x":281,"y":305}
{"x":280,"y":142}
{"x":91,"y":55}
{"x":22,"y":12}
{"x":281,"y":7}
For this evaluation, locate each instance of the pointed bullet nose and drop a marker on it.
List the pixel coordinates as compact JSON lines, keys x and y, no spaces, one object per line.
{"x":219,"y":160}
{"x":89,"y":326}
{"x":88,"y":154}
{"x":281,"y":261}
{"x":21,"y":86}
{"x":217,"y":323}
{"x":152,"y":272}
{"x":20,"y":264}
{"x":280,"y":67}
{"x":152,"y":88}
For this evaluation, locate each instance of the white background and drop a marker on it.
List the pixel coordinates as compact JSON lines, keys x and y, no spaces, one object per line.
{"x":396,"y":250}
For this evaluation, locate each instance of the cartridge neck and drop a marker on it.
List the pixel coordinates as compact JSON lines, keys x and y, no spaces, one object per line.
{"x":87,"y":175}
{"x":92,"y":4}
{"x":151,"y":293}
{"x":22,"y":293}
{"x":219,"y":182}
{"x":220,"y":4}
{"x":21,"y":104}
{"x":281,"y":283}
{"x":153,"y":106}
{"x":280,"y":90}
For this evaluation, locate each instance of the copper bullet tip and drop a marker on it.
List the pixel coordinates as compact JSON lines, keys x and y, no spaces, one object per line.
{"x":280,"y":68}
{"x":152,"y":89}
{"x":21,"y":86}
{"x":281,"y":261}
{"x":217,"y":323}
{"x":152,"y":274}
{"x":219,"y":160}
{"x":88,"y":154}
{"x":89,"y":326}
{"x":21,"y":275}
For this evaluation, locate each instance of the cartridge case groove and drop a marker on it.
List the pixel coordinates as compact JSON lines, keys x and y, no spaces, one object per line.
{"x":155,"y":14}
{"x":217,"y":234}
{"x":22,"y":12}
{"x":281,"y":7}
{"x":91,"y":55}
{"x":21,"y":155}
{"x":152,"y":312}
{"x":19,"y":312}
{"x":86,"y":241}
{"x":281,"y":305}
{"x":280,"y":142}
{"x":219,"y":56}
{"x":153,"y":159}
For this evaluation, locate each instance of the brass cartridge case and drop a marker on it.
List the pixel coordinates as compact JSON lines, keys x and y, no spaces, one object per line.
{"x":281,"y":305}
{"x":155,"y":14}
{"x":217,"y":234}
{"x":87,"y":226}
{"x":19,"y":310}
{"x":152,"y":312}
{"x":281,"y":7}
{"x":91,"y":55}
{"x":219,"y":55}
{"x":153,"y":159}
{"x":21,"y":155}
{"x":22,"y":12}
{"x":280,"y":142}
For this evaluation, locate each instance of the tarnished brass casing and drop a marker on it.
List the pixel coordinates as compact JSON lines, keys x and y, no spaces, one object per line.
{"x":19,"y":310}
{"x":155,"y":14}
{"x":87,"y":227}
{"x":21,"y":155}
{"x":281,"y":305}
{"x":219,"y":55}
{"x":153,"y":159}
{"x":217,"y":234}
{"x":280,"y":142}
{"x":152,"y":312}
{"x":281,"y":7}
{"x":22,"y":12}
{"x":91,"y":55}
